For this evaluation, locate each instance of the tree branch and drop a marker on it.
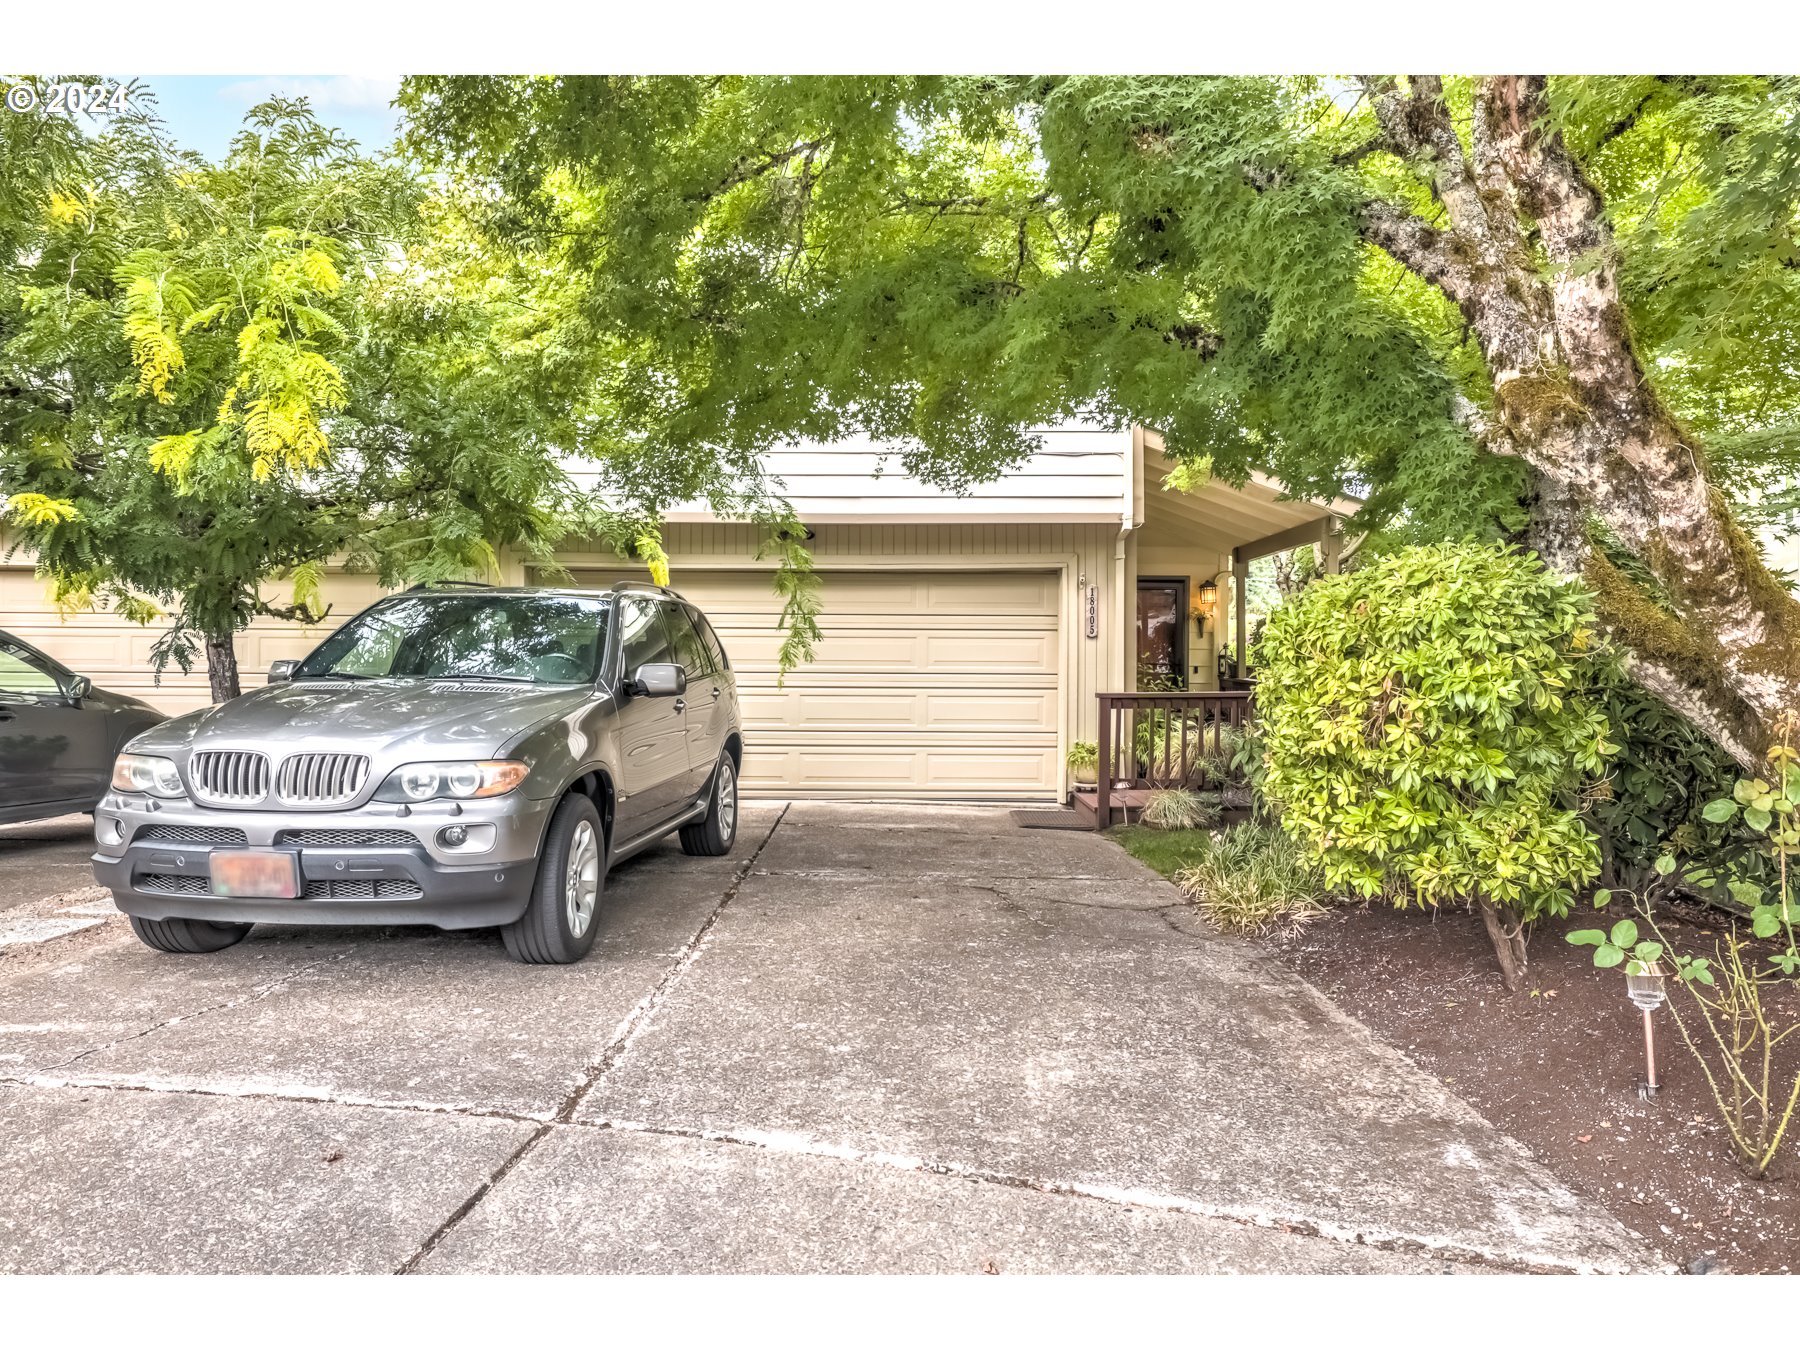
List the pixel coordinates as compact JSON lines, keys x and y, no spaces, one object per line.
{"x":1427,"y":252}
{"x":748,"y":167}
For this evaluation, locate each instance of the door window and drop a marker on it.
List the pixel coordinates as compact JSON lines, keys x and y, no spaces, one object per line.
{"x":643,"y":635}
{"x":713,"y":646}
{"x":19,"y":675}
{"x":689,"y":650}
{"x":1161,"y":635}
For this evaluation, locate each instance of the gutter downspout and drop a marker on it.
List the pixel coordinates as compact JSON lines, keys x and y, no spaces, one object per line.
{"x":1118,"y":674}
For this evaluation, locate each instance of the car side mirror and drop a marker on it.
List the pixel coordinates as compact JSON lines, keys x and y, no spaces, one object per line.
{"x":280,"y":672}
{"x":659,"y":679}
{"x":78,"y":688}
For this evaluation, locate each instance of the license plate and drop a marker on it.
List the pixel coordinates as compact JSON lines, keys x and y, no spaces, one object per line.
{"x":256,"y":876}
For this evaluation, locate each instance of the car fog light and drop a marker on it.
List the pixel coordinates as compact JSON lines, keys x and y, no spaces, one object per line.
{"x":112,"y":830}
{"x":466,"y":838}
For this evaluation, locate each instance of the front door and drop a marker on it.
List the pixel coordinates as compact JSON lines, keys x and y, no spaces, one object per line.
{"x":707,"y":723}
{"x":52,"y":751}
{"x":653,"y":751}
{"x":1162,"y":633}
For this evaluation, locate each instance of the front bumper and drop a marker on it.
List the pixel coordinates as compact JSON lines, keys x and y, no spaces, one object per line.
{"x":156,"y":859}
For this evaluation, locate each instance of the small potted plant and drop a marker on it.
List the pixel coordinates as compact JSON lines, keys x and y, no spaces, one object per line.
{"x":1084,"y":763}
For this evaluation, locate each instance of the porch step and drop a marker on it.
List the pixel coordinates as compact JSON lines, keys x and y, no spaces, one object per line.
{"x":1127,"y":804}
{"x":1054,"y":820}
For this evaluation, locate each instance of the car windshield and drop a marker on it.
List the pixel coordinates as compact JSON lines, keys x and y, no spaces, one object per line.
{"x":528,"y":639}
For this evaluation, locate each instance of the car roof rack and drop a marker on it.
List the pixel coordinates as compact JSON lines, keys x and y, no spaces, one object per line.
{"x":441,"y":585}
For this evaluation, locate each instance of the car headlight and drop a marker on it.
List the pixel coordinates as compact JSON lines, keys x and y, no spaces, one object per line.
{"x":146,"y":773}
{"x":455,"y":778}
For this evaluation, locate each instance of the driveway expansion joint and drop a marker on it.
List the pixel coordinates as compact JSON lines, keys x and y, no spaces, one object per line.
{"x":793,"y":1143}
{"x":614,"y":1051}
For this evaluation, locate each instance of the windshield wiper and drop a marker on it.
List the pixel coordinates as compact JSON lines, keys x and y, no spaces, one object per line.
{"x":499,"y":679}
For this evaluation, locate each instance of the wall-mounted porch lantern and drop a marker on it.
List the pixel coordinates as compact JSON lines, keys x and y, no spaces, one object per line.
{"x":1206,"y":600}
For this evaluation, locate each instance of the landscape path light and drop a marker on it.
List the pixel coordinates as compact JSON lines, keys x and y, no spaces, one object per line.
{"x":1646,"y":988}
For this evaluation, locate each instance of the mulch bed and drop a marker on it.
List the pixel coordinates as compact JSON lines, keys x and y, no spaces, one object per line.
{"x":1557,"y":1067}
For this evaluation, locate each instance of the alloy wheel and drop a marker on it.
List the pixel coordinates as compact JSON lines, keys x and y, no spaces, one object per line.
{"x":581,"y":879}
{"x":727,"y":800}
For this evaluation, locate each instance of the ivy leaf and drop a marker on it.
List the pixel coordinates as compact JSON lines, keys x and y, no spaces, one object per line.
{"x":1665,"y":864}
{"x":1608,"y":955}
{"x":1624,"y":933}
{"x":1602,"y":898}
{"x":1765,"y":922}
{"x":1719,"y":810}
{"x":1585,"y":937}
{"x":1756,"y":817}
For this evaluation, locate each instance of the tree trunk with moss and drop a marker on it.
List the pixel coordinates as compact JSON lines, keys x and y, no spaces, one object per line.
{"x":1570,"y":397}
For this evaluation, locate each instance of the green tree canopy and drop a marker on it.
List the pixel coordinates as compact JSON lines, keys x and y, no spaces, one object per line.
{"x":219,"y":376}
{"x":1475,"y":302}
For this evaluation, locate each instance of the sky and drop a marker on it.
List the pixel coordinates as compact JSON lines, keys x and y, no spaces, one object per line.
{"x":203,"y":112}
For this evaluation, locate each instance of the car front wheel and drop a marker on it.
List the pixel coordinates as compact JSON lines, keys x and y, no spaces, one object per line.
{"x":714,"y":834}
{"x":188,"y":936}
{"x":559,"y":922}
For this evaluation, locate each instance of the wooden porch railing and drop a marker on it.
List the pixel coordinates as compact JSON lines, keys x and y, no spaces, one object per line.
{"x":1161,"y":740}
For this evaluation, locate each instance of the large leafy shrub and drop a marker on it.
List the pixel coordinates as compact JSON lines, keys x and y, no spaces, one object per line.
{"x":1425,"y":730}
{"x":1652,"y":803}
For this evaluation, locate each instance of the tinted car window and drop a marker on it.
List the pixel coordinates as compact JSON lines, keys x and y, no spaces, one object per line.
{"x":20,"y":675}
{"x":643,"y":636}
{"x":689,"y":650}
{"x":537,"y":639}
{"x":711,"y":639}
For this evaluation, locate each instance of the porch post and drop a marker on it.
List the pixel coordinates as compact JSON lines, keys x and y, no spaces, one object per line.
{"x":1331,"y":547}
{"x":1240,"y":580}
{"x":1104,"y":775}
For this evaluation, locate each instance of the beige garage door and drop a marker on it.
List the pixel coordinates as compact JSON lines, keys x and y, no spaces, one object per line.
{"x":927,"y":684}
{"x":115,"y":654}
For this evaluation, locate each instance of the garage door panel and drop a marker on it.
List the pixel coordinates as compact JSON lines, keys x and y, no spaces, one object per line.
{"x":990,"y":771}
{"x":995,"y":712}
{"x":899,"y":771}
{"x":983,"y":594}
{"x":924,"y":684}
{"x":804,"y":709}
{"x":921,"y":713}
{"x":991,"y":652}
{"x":961,"y":595}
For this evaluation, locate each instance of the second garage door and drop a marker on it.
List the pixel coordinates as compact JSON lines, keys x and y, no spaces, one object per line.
{"x":926,"y":684}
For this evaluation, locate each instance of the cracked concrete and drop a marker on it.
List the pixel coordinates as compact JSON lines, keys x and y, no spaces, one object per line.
{"x":873,"y":1039}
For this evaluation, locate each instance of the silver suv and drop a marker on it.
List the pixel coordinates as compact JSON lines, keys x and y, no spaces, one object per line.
{"x":456,"y":756}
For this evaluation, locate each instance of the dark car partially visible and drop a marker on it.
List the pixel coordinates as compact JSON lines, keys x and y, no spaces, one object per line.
{"x":59,"y":734}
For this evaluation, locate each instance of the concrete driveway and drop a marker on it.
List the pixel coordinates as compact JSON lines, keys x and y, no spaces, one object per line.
{"x":874,"y":1039}
{"x":40,"y":857}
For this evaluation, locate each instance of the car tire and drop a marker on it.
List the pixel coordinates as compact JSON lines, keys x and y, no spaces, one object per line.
{"x":188,"y":936}
{"x":562,"y":916}
{"x":714,"y":834}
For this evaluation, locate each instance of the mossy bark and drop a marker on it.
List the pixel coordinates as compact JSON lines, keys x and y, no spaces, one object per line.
{"x":1529,"y":258}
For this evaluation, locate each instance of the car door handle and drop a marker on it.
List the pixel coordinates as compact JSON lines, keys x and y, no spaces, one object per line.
{"x":6,"y":715}
{"x":681,"y":705}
